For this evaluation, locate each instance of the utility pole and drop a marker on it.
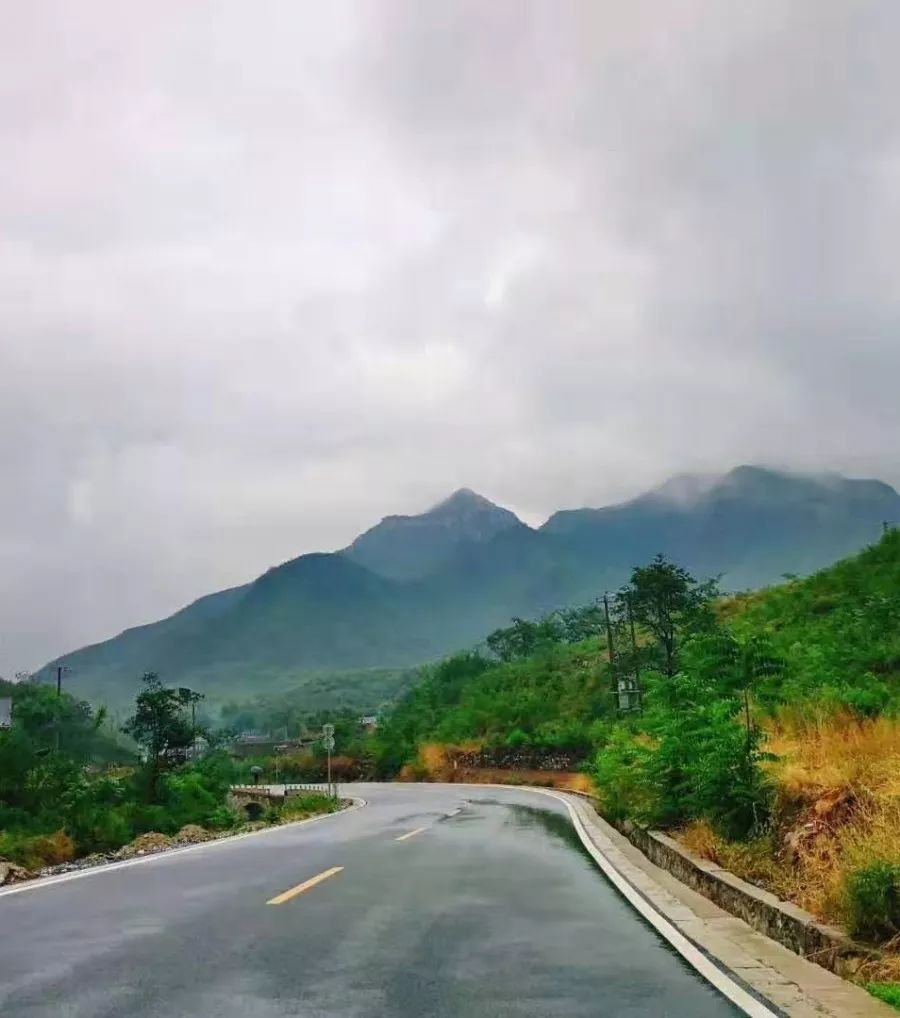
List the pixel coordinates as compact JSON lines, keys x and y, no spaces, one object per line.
{"x":328,"y":739}
{"x":610,"y":647}
{"x":59,"y":674}
{"x":634,"y":656}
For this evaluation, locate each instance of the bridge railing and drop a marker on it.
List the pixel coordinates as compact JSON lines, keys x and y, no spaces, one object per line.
{"x":320,"y":787}
{"x":307,"y":786}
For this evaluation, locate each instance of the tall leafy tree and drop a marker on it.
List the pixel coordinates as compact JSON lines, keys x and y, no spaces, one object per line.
{"x":669,"y":603}
{"x":161,"y":723}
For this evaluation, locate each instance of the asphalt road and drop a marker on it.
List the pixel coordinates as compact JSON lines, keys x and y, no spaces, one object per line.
{"x":488,"y":907}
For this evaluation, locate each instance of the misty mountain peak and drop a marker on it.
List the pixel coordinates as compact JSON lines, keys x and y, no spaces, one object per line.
{"x":463,"y":502}
{"x":414,"y":587}
{"x":685,"y":489}
{"x":766,"y":484}
{"x":408,"y":547}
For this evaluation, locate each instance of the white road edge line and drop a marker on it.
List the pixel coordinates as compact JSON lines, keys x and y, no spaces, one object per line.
{"x":695,"y":958}
{"x":90,"y":871}
{"x":691,"y":954}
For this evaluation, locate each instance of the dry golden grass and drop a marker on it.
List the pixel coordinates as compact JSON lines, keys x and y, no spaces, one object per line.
{"x":736,"y":604}
{"x":433,"y":758}
{"x":837,"y":808}
{"x":836,"y":751}
{"x":566,"y":781}
{"x":752,"y":860}
{"x":885,"y":969}
{"x":436,"y":763}
{"x":580,"y":783}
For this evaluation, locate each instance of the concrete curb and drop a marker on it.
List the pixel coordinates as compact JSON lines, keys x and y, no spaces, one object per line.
{"x":713,"y":970}
{"x":174,"y":853}
{"x":783,"y":921}
{"x":759,"y":975}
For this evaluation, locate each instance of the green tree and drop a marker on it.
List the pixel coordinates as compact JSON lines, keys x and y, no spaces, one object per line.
{"x":693,"y":760}
{"x":742,"y":667}
{"x":160,"y":724}
{"x":668,"y":603}
{"x":42,"y":715}
{"x":524,"y":637}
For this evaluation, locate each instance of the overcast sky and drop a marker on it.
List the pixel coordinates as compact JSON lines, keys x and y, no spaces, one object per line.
{"x":269,"y":271}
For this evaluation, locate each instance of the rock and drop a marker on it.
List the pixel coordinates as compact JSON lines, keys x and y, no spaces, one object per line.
{"x":86,"y":862}
{"x":94,"y":859}
{"x":837,"y":807}
{"x":11,"y":873}
{"x":145,"y":844}
{"x":813,"y":832}
{"x":192,"y":834}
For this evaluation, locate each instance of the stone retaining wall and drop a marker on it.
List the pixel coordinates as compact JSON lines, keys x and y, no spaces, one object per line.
{"x":789,"y":925}
{"x":527,"y":759}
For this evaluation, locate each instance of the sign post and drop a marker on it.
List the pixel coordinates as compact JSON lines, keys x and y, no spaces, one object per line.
{"x":328,"y":740}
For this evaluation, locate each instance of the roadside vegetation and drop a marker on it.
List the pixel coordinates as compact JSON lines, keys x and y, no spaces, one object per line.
{"x":763,"y":729}
{"x":72,"y":786}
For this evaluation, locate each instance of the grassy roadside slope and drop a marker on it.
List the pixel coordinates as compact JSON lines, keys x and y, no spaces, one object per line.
{"x":818,"y":768}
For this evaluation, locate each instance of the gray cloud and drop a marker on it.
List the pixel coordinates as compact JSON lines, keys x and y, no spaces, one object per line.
{"x":270,"y":272}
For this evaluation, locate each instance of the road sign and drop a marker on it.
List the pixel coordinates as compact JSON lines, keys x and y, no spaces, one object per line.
{"x":328,"y":742}
{"x":327,"y":730}
{"x":5,"y":711}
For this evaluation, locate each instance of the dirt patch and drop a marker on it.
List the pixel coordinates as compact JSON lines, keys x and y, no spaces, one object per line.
{"x":10,"y":873}
{"x":193,"y":834}
{"x":468,"y":764}
{"x":570,"y":781}
{"x":813,"y":832}
{"x":145,"y":844}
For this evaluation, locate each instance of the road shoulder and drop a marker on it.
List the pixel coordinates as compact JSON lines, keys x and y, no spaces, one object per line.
{"x":793,"y":985}
{"x":176,"y":853}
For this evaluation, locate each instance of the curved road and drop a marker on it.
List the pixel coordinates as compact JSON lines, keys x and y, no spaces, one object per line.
{"x":450,"y":900}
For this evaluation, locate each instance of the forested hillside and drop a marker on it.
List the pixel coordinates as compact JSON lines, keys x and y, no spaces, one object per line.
{"x":415,"y":588}
{"x":834,"y":639}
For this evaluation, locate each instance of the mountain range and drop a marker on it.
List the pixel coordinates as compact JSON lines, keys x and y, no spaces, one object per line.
{"x":414,"y":587}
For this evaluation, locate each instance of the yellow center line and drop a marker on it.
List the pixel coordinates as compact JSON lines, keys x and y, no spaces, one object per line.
{"x":292,"y":892}
{"x":411,"y":834}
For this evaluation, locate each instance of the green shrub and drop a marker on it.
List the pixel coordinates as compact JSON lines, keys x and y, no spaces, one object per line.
{"x":695,"y":758}
{"x":35,"y":851}
{"x":869,"y":698}
{"x":728,"y":788}
{"x":621,"y":771}
{"x":888,"y":992}
{"x":223,"y":819}
{"x":299,"y":806}
{"x":111,"y":830}
{"x":97,"y":815}
{"x":873,"y":900}
{"x":146,"y":818}
{"x":187,"y":798}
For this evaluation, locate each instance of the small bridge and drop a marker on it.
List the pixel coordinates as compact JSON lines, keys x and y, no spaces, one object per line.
{"x":253,"y":800}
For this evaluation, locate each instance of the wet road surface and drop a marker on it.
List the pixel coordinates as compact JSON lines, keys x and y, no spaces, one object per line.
{"x":432,"y":900}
